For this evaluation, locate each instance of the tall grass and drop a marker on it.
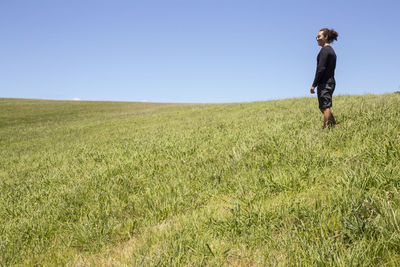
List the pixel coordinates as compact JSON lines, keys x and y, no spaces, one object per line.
{"x":188,"y":184}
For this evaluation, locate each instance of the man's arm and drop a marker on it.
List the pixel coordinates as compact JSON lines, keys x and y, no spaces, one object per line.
{"x":321,"y":67}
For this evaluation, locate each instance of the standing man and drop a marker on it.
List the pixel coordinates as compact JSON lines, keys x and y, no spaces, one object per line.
{"x":325,"y":74}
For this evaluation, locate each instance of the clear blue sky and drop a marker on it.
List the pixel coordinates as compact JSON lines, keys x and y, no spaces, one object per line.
{"x":192,"y":50}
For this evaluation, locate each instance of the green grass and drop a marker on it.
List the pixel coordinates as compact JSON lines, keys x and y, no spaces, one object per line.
{"x":106,"y":183}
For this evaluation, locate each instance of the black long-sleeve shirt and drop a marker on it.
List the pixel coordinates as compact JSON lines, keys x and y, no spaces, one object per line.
{"x":326,"y":64}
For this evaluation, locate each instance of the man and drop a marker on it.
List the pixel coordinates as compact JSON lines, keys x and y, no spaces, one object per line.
{"x":325,"y":75}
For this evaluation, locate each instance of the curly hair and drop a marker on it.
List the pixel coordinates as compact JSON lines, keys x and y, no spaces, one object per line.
{"x":330,"y":33}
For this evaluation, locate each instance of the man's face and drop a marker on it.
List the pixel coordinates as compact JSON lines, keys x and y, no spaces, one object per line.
{"x":321,"y":39}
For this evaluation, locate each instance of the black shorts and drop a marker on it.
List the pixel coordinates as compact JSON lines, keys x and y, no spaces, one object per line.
{"x":325,"y":92}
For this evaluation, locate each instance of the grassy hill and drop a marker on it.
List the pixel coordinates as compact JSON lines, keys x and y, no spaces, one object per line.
{"x":200,"y":184}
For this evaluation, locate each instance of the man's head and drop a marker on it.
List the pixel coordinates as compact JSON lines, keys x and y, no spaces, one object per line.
{"x":326,"y":36}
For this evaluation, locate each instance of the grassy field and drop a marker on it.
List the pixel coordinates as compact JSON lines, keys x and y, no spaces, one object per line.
{"x":98,"y":183}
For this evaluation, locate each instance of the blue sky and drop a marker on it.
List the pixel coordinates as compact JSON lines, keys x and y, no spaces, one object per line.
{"x":192,"y":50}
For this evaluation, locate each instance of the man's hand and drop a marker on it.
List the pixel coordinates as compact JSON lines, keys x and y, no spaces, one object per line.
{"x":312,"y":90}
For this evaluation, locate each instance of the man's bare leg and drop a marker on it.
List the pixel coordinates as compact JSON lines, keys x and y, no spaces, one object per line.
{"x":329,"y":120}
{"x":332,"y":121}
